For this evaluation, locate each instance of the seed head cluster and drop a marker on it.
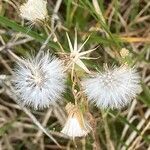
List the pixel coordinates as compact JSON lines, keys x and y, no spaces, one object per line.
{"x":40,"y":81}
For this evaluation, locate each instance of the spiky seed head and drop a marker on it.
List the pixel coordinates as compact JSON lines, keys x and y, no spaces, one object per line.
{"x":39,"y":81}
{"x":113,"y":88}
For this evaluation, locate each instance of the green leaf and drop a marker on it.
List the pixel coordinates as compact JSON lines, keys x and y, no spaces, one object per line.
{"x":5,"y":128}
{"x":145,"y":96}
{"x":16,"y":27}
{"x":125,"y":121}
{"x":68,"y":16}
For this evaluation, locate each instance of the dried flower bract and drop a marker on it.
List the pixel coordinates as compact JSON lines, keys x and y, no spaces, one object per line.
{"x":76,"y":54}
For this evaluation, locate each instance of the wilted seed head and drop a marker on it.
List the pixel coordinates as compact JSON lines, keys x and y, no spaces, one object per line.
{"x":76,"y":125}
{"x":113,"y":88}
{"x":39,"y":81}
{"x":34,"y":10}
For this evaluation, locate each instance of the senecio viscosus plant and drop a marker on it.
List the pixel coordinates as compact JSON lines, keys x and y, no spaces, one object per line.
{"x":39,"y":81}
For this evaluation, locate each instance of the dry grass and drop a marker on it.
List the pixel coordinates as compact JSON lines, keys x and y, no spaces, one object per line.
{"x":112,"y":25}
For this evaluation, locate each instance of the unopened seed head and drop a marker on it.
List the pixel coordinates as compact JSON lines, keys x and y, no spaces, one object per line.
{"x":34,"y":10}
{"x":124,"y":52}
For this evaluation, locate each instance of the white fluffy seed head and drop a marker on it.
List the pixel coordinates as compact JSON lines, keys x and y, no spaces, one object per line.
{"x":34,"y":10}
{"x":39,"y":81}
{"x":113,"y":88}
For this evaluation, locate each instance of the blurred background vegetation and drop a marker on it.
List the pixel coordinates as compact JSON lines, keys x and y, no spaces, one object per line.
{"x":112,"y":25}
